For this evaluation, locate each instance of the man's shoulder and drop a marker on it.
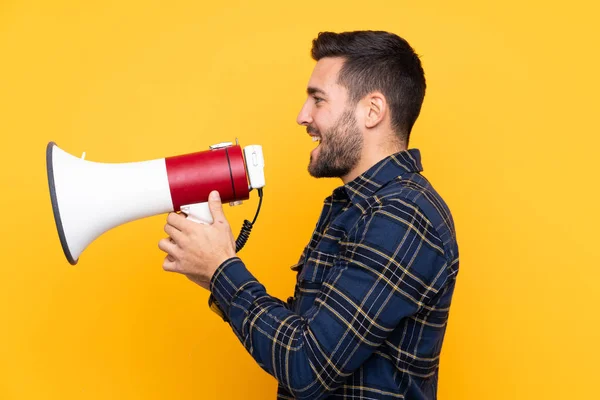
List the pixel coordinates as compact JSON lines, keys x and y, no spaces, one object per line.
{"x":410,"y":187}
{"x":414,"y":192}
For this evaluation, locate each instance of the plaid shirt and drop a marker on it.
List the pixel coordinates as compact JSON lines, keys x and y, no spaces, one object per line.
{"x":372,"y":297}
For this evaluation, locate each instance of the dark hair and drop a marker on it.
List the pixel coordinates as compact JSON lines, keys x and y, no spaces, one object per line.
{"x":378,"y":61}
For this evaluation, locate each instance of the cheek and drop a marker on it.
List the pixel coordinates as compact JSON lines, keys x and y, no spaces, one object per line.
{"x":321,"y":121}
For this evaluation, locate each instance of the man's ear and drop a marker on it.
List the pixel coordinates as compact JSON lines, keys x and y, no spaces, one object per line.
{"x":376,"y":109}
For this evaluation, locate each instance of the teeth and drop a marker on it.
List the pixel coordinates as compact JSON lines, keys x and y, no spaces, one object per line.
{"x":315,"y":139}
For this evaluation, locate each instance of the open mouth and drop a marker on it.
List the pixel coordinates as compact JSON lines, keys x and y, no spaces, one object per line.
{"x":316,"y":138}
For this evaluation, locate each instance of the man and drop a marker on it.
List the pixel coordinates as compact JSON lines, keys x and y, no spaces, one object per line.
{"x":375,"y":282}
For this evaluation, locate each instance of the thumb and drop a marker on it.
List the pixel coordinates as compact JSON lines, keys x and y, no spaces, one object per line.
{"x":216,"y":208}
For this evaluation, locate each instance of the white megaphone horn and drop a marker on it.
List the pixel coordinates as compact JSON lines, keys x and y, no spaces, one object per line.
{"x":89,"y":198}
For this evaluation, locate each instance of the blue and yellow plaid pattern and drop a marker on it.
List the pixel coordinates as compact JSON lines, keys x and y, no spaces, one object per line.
{"x":372,"y":296}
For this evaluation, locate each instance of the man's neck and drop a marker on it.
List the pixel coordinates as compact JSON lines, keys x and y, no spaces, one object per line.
{"x":371,"y":156}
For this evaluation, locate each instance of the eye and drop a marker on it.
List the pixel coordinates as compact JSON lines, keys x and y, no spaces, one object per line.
{"x":317,"y":99}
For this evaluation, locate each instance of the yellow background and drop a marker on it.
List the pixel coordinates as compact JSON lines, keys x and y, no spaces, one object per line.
{"x":508,"y":133}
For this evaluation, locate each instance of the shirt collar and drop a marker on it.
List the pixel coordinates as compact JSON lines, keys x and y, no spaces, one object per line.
{"x":384,"y":171}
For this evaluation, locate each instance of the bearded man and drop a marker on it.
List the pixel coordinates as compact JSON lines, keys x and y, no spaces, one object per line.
{"x":375,"y":282}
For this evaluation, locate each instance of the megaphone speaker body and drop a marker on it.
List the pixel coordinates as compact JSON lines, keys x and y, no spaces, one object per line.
{"x":89,"y":198}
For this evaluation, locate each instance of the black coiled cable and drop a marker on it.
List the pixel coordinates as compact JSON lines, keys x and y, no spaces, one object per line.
{"x":247,"y":226}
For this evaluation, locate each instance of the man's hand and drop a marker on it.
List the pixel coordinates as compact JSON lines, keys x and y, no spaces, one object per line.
{"x":196,"y":250}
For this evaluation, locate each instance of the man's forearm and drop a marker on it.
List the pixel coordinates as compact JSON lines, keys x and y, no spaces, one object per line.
{"x":267,"y":328}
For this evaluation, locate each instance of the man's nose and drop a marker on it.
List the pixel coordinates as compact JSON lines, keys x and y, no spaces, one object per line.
{"x":304,"y":117}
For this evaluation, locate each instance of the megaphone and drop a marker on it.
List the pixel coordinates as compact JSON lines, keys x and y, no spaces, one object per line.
{"x":89,"y":198}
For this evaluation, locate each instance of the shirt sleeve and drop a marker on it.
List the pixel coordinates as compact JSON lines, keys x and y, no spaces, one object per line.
{"x":390,"y":266}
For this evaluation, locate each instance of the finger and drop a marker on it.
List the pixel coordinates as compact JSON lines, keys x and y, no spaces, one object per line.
{"x":168,"y":247}
{"x":178,"y":221}
{"x":169,"y":264}
{"x":174,"y":233}
{"x":216,"y":207}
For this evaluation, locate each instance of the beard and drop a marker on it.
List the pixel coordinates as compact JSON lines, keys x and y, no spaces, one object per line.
{"x":339,"y":150}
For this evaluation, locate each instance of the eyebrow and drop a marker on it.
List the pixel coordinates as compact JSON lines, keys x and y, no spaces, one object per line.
{"x":313,"y":90}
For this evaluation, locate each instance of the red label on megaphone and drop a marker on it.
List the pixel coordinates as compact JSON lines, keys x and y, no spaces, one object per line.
{"x":193,"y":176}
